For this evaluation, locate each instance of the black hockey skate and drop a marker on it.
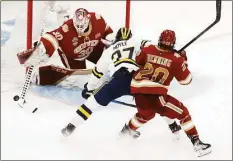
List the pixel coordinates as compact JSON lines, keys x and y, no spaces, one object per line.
{"x":175,"y":128}
{"x":126,"y":130}
{"x":200,"y":147}
{"x":68,"y":129}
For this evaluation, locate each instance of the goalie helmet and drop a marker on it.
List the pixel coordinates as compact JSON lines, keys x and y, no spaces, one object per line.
{"x":81,"y":20}
{"x":167,"y":39}
{"x":123,"y":34}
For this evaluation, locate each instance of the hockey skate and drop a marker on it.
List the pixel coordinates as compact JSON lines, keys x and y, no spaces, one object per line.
{"x":68,"y":130}
{"x":127,"y":131}
{"x":199,"y":147}
{"x":175,"y":128}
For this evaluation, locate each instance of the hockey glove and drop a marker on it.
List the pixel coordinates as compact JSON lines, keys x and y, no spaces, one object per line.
{"x":183,"y":54}
{"x":86,"y":93}
{"x":24,"y":55}
{"x":38,"y":56}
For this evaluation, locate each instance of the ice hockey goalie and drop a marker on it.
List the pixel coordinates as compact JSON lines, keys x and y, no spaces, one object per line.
{"x":80,"y":38}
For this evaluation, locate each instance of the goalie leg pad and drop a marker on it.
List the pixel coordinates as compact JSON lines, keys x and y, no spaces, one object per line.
{"x":52,"y":75}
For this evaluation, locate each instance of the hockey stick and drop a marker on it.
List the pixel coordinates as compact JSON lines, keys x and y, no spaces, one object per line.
{"x":217,"y":19}
{"x":30,"y":69}
{"x":123,"y":103}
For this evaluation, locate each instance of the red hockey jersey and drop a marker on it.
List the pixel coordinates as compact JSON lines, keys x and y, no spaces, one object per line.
{"x":70,"y":45}
{"x":158,"y":68}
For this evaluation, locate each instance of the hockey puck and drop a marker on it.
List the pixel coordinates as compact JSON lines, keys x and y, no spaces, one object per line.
{"x":16,"y":98}
{"x":34,"y":110}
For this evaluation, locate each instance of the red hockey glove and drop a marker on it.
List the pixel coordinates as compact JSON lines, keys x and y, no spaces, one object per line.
{"x":24,"y":55}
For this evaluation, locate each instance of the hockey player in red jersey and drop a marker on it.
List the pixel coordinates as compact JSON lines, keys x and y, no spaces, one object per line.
{"x":80,"y":38}
{"x":159,"y":65}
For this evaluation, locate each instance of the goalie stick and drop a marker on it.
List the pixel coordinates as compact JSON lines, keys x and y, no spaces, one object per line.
{"x":31,"y":68}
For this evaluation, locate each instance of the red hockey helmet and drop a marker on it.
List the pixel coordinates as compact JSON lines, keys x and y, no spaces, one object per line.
{"x":167,"y":39}
{"x":81,"y":20}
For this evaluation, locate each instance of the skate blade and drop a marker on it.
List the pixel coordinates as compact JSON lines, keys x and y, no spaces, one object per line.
{"x":176,"y":136}
{"x":64,"y":133}
{"x":205,"y":152}
{"x":122,"y":136}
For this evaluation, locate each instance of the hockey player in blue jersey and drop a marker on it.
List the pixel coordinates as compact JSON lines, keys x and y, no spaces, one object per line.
{"x":118,"y":61}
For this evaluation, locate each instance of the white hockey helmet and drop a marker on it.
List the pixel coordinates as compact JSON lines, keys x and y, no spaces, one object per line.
{"x":81,"y":20}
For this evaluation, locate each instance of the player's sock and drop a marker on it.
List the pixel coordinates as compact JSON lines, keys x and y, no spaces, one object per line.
{"x":82,"y":114}
{"x":188,"y":126}
{"x":136,"y":122}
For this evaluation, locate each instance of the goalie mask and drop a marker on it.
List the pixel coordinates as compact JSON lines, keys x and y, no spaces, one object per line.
{"x":167,"y":39}
{"x":81,"y":20}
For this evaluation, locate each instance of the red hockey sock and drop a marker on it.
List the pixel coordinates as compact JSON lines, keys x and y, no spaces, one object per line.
{"x":188,"y":126}
{"x":136,"y":122}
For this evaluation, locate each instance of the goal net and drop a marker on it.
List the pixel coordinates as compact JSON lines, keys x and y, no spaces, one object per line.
{"x":33,"y":18}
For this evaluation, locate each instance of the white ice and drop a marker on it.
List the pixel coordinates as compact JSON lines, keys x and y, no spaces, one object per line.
{"x":26,"y":135}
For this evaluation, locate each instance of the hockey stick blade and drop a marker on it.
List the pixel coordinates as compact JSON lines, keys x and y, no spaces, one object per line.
{"x":217,"y":19}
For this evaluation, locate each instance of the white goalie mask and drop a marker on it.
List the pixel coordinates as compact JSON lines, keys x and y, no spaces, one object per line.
{"x":81,"y":20}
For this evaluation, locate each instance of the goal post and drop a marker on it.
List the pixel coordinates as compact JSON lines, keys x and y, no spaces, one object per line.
{"x":127,"y":14}
{"x":29,"y":23}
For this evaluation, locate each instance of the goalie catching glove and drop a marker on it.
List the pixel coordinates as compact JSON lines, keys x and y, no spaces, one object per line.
{"x":34,"y":56}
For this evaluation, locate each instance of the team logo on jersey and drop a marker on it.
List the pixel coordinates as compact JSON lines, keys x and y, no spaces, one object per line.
{"x":97,"y":35}
{"x":65,"y":28}
{"x":75,"y":41}
{"x":85,"y":49}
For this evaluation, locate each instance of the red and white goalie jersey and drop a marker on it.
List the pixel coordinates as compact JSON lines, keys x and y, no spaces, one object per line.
{"x":158,"y":68}
{"x":74,"y":48}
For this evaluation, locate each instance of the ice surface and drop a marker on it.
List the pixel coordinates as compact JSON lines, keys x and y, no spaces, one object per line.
{"x":27,"y":135}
